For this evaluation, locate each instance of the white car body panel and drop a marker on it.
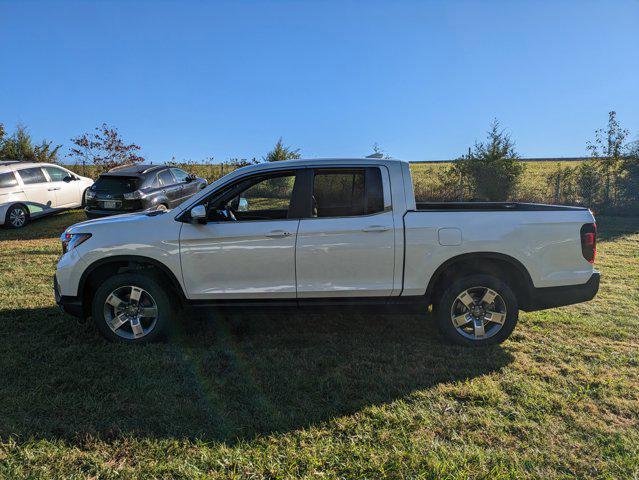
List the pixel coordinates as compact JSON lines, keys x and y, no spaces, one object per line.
{"x":332,"y":257}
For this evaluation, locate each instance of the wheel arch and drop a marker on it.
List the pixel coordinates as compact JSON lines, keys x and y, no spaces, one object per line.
{"x":505,"y":267}
{"x":159,"y":200}
{"x":9,"y":206}
{"x":109,"y":266}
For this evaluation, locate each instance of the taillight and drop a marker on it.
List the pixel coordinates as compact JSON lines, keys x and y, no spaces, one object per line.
{"x":589,"y":241}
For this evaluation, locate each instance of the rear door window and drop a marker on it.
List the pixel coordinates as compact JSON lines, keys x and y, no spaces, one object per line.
{"x":32,"y":175}
{"x":8,"y":180}
{"x":347,"y":192}
{"x":166,"y":178}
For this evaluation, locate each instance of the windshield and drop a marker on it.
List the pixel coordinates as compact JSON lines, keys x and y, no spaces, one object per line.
{"x":116,"y":184}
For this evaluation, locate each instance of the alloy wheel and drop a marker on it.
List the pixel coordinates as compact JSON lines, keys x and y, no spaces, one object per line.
{"x":130,"y":312}
{"x":17,"y":217}
{"x":478,"y":313}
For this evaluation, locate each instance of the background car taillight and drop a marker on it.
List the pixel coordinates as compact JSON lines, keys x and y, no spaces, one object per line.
{"x":72,"y":240}
{"x":589,"y":241}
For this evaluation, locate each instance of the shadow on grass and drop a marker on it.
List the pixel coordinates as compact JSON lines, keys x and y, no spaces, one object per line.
{"x":611,"y":228}
{"x":47,"y":227}
{"x":219,"y":379}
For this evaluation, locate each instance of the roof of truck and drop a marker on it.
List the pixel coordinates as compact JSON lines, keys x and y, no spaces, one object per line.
{"x":316,"y":161}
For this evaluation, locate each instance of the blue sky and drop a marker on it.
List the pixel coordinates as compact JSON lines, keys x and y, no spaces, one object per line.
{"x":226,"y":79}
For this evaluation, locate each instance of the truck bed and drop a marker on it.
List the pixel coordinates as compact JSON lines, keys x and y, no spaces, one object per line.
{"x":493,"y":206}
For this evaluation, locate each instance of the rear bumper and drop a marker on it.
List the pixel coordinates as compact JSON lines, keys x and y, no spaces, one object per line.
{"x":71,"y":305}
{"x":550,"y":297}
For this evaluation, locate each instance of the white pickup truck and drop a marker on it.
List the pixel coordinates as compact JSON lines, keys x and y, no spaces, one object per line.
{"x":337,"y":232}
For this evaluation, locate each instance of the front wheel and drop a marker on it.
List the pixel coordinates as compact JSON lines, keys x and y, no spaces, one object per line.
{"x":477,"y":310}
{"x":132,"y":308}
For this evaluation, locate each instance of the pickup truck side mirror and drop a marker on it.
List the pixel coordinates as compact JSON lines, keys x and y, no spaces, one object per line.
{"x":189,"y":178}
{"x":68,"y":179}
{"x":198,"y":214}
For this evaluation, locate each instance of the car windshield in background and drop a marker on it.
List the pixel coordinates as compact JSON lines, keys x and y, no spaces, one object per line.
{"x":116,"y":184}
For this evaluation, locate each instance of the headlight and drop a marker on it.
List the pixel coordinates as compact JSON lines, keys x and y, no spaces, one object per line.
{"x":72,"y":240}
{"x":136,"y":195}
{"x":90,"y":194}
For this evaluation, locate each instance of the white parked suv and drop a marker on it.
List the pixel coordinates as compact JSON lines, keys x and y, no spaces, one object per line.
{"x":30,"y":190}
{"x":336,"y":232}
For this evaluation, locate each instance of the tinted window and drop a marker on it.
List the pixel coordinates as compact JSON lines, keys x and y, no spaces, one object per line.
{"x":166,"y":178}
{"x":116,"y":184}
{"x":347,"y":193}
{"x":180,"y":175}
{"x":56,"y":174}
{"x":32,"y":175}
{"x":8,"y":180}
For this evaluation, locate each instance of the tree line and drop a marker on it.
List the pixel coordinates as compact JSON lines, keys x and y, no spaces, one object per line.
{"x":490,"y":171}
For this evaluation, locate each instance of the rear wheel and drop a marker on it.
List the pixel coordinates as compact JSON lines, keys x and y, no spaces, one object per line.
{"x":477,"y":310}
{"x":161,"y":208}
{"x":132,"y":308}
{"x":17,"y":216}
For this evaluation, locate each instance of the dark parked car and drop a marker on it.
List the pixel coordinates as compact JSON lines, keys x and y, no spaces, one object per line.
{"x":140,"y":187}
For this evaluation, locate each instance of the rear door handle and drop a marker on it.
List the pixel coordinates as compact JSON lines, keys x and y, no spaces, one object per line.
{"x":278,"y":234}
{"x":376,"y":228}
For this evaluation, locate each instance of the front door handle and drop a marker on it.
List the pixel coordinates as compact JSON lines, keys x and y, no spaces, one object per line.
{"x":376,"y":228}
{"x":278,"y":234}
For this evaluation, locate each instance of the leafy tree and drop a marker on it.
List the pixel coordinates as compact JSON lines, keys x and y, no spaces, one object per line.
{"x":19,"y":146}
{"x":491,"y":170}
{"x":378,"y":152}
{"x":629,"y":180}
{"x":104,"y":148}
{"x":282,"y":152}
{"x":608,"y":149}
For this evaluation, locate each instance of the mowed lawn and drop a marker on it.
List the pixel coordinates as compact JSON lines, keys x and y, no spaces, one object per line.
{"x":323,"y":395}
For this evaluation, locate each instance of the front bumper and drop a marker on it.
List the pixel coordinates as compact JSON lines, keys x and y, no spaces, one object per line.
{"x":71,"y":305}
{"x":550,"y":297}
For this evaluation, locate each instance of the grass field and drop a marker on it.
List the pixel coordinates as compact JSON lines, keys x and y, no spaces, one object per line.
{"x":326,"y":395}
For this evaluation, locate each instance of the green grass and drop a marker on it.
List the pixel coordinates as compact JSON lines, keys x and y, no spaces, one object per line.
{"x":326,"y":395}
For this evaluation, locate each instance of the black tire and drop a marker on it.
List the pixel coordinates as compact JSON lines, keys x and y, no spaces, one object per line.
{"x":153,"y":286}
{"x":444,"y":310}
{"x":9,"y":219}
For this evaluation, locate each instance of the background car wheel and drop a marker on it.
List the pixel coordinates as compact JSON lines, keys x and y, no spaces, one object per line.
{"x":17,"y":216}
{"x":161,"y":208}
{"x":132,"y":308}
{"x":477,"y":310}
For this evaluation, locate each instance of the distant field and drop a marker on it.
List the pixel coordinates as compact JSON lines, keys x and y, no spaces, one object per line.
{"x":533,"y":187}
